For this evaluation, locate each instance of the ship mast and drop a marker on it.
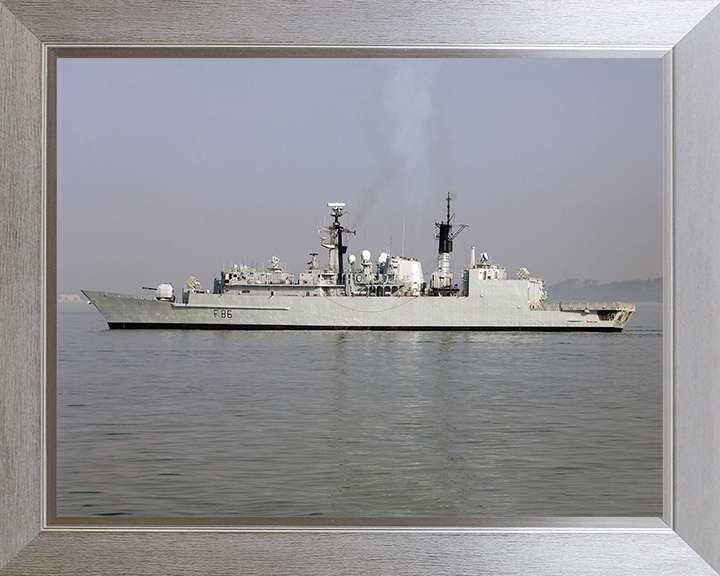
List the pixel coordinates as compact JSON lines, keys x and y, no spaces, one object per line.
{"x":335,"y":243}
{"x":441,"y":281}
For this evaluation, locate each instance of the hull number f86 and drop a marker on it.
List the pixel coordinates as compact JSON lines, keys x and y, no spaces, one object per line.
{"x":222,"y":313}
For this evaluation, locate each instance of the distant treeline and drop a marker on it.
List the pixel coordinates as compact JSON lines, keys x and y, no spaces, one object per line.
{"x":649,"y":290}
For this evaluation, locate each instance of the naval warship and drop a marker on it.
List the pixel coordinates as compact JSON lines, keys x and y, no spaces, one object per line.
{"x":389,"y":293}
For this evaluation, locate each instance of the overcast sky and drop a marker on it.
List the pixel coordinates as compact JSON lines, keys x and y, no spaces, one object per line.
{"x":170,"y":168}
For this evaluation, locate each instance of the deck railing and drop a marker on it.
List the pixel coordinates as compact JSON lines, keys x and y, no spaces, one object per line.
{"x":589,"y":306}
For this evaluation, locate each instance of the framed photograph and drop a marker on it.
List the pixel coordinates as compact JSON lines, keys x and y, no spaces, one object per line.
{"x":379,"y":392}
{"x":681,"y":541}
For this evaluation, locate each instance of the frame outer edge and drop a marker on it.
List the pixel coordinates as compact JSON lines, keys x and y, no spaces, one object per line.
{"x":696,"y":165}
{"x":402,"y":22}
{"x":21,"y":273}
{"x":21,"y":224}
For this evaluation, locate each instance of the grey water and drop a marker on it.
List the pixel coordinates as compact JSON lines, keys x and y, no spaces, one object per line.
{"x":162,"y":423}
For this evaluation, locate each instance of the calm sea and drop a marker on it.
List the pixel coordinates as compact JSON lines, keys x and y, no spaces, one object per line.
{"x":342,"y":424}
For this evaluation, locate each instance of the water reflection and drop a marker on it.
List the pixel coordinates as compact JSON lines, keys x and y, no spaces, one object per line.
{"x":358,"y":423}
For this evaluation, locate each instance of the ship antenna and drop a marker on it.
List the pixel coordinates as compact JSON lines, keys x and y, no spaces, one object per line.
{"x":441,"y":279}
{"x":337,"y":209}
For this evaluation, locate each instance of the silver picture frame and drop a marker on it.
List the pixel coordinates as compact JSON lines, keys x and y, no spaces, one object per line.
{"x":686,"y":34}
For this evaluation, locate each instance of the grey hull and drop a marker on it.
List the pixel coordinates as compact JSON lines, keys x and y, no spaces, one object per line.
{"x":169,"y":326}
{"x":504,"y":311}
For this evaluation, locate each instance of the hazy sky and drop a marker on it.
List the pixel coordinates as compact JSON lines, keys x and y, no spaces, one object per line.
{"x":170,"y":168}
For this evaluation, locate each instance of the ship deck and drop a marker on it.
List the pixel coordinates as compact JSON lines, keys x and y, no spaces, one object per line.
{"x":589,"y":306}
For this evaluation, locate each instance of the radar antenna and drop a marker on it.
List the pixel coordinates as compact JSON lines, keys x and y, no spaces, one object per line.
{"x":313,"y":261}
{"x":337,"y":209}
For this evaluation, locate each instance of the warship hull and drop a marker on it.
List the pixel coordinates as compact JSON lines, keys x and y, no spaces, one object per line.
{"x":280,"y":312}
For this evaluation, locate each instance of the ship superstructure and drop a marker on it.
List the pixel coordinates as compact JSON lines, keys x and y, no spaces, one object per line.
{"x":389,"y":293}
